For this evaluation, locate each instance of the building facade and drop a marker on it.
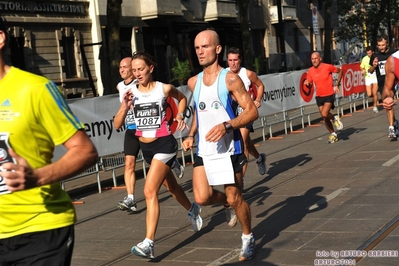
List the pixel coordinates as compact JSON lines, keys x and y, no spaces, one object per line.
{"x":63,"y":40}
{"x":48,"y":38}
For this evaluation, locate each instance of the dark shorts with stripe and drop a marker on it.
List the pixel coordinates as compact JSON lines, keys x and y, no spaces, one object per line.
{"x":165,"y":146}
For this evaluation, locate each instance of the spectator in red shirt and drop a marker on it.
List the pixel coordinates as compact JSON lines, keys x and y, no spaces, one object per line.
{"x":320,"y":74}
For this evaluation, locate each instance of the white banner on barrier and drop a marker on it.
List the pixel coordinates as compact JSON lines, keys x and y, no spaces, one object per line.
{"x":290,"y":91}
{"x":97,"y":114}
{"x":284,"y":92}
{"x":272,"y":96}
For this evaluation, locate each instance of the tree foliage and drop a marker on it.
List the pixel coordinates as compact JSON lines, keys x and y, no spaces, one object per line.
{"x":363,"y":20}
{"x":245,"y":33}
{"x":181,"y":71}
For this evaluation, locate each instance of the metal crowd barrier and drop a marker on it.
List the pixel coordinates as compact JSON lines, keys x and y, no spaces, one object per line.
{"x":95,"y":169}
{"x":351,"y":100}
{"x":301,"y":113}
{"x":294,"y":114}
{"x":114,"y":161}
{"x":310,"y":110}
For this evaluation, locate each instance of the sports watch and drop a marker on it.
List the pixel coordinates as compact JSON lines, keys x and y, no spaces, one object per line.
{"x":228,"y":127}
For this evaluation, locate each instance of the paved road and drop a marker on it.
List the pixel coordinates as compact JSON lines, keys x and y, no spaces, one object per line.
{"x":317,"y":201}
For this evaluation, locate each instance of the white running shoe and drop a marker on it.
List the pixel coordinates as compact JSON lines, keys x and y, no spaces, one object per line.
{"x":194,"y":216}
{"x":248,"y":249}
{"x":231,"y":217}
{"x":391,"y":132}
{"x":337,"y":123}
{"x":127,"y":204}
{"x":144,"y":249}
{"x":332,"y":138}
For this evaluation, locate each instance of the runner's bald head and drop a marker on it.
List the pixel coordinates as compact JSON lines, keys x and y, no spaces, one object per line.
{"x":211,"y":35}
{"x":316,"y":54}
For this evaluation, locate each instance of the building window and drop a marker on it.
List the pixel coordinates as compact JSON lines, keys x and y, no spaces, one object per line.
{"x":278,"y":42}
{"x":69,"y":55}
{"x":126,"y":41}
{"x":312,"y":41}
{"x":297,"y":32}
{"x":321,"y":37}
{"x":16,"y":44}
{"x":17,"y":52}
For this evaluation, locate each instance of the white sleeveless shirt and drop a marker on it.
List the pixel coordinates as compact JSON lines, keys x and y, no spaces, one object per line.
{"x":244,"y":77}
{"x":122,"y":87}
{"x":213,"y":106}
{"x":150,"y":113}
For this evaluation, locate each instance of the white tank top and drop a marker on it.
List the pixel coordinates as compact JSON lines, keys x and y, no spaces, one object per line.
{"x":244,"y":77}
{"x":122,"y":87}
{"x":247,"y":83}
{"x":213,"y":106}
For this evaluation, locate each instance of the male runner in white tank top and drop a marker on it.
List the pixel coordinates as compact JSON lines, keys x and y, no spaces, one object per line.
{"x":248,"y":77}
{"x":220,"y":158}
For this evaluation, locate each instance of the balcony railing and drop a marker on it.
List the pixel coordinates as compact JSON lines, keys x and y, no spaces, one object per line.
{"x":151,"y":9}
{"x":288,"y":12}
{"x":216,"y":9}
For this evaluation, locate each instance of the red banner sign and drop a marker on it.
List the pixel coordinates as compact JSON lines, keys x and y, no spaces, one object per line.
{"x":352,"y":79}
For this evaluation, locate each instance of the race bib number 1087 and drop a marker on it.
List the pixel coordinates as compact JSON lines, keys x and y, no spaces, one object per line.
{"x":147,"y":115}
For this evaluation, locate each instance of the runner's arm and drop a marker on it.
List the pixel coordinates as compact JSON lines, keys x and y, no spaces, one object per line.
{"x":389,"y":84}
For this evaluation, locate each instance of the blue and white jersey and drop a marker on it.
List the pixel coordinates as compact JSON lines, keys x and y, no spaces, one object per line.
{"x":213,"y":105}
{"x":129,"y":119}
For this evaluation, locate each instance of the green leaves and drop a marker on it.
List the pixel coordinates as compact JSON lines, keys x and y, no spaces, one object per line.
{"x":181,"y":71}
{"x":364,"y":20}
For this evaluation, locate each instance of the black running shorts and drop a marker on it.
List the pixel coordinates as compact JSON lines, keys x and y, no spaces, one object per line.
{"x":321,"y":100}
{"x":131,"y":143}
{"x":52,"y":247}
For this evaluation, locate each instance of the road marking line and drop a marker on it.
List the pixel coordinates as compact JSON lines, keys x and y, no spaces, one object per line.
{"x":391,"y":161}
{"x":328,"y":198}
{"x":226,"y":258}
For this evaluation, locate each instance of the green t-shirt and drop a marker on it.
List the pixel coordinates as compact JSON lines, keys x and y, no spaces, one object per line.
{"x":37,"y":118}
